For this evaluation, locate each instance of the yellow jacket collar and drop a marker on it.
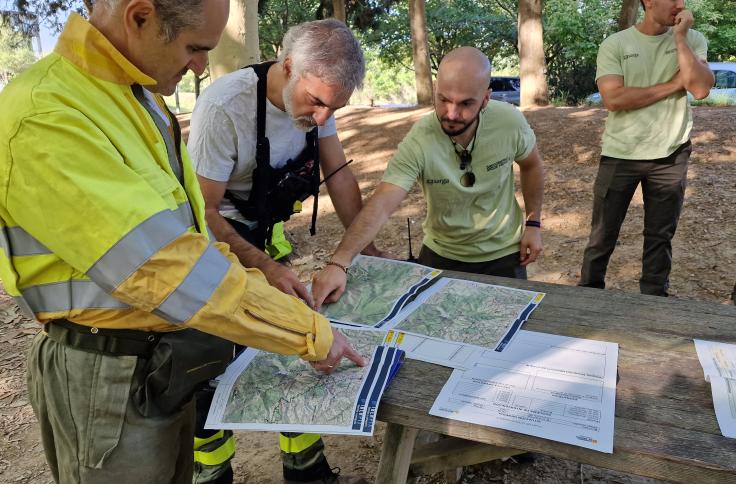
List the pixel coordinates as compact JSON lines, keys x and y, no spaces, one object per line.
{"x":87,"y":48}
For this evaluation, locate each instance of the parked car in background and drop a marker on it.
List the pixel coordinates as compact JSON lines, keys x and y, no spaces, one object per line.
{"x":722,"y":93}
{"x":507,"y":89}
{"x":724,"y":88}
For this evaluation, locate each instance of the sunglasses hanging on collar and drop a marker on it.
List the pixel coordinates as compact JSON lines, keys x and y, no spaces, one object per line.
{"x":467,"y":179}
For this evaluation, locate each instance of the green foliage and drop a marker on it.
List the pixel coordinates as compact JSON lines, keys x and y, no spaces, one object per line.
{"x":717,"y":21}
{"x":276,"y":16}
{"x":450,"y":24}
{"x":25,"y":15}
{"x":573,"y":30}
{"x":16,"y":54}
{"x":385,"y":83}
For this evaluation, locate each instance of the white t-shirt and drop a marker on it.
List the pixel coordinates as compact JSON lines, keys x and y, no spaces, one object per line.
{"x":222,"y":137}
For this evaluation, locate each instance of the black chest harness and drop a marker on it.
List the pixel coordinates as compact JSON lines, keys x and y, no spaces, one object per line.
{"x":277,"y":193}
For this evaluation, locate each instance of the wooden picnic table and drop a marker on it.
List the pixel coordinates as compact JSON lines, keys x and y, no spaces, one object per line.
{"x":665,"y":423}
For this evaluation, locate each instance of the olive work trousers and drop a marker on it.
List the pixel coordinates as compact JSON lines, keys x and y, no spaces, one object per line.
{"x":507,"y":266}
{"x":91,"y":430}
{"x":663,"y":184}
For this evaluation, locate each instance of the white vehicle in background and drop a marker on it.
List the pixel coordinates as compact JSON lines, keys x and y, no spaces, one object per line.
{"x":724,"y":89}
{"x":723,"y":92}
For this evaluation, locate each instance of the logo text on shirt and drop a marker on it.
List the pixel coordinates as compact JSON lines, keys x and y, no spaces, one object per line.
{"x":495,"y":165}
{"x":628,"y":56}
{"x":437,"y":181}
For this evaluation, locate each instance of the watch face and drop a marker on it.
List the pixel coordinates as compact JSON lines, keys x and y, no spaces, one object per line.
{"x":468,"y":179}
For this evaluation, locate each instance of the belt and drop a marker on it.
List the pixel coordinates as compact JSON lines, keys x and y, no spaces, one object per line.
{"x":112,"y":342}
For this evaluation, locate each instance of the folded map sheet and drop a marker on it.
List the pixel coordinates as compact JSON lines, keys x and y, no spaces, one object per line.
{"x":453,"y":321}
{"x":265,"y":391}
{"x":377,"y":289}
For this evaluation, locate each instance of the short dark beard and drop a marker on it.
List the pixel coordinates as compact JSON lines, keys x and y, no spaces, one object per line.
{"x":464,"y":128}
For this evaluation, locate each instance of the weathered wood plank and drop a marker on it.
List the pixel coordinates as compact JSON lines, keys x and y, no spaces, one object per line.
{"x":398,"y":446}
{"x":660,"y":321}
{"x":636,"y":449}
{"x":633,"y":339}
{"x":452,"y":452}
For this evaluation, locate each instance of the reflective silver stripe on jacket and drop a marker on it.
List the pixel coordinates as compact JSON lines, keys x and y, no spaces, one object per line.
{"x":68,"y":295}
{"x":196,"y":288}
{"x":17,"y":242}
{"x":135,"y":248}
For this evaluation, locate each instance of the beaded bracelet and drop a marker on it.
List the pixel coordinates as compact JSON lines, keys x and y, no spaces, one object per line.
{"x":333,"y":263}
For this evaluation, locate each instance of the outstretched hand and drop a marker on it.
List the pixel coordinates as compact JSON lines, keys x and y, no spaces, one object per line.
{"x":283,"y":279}
{"x":341,"y":348}
{"x":328,"y":285}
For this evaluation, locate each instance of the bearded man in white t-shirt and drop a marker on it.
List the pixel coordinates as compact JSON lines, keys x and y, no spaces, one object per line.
{"x":320,"y":66}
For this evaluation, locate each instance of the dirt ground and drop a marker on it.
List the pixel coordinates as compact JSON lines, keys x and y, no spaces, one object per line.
{"x":568,"y":138}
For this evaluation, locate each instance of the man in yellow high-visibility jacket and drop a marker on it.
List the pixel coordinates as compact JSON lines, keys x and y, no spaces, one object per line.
{"x":103,"y":239}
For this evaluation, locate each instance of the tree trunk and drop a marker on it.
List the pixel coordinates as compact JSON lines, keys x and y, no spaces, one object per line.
{"x":238,"y":45}
{"x":338,"y":8}
{"x":629,"y":12}
{"x":420,"y":49}
{"x":531,"y":54}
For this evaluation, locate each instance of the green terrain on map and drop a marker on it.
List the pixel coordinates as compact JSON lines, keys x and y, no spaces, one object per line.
{"x":468,"y":312}
{"x":373,"y":286}
{"x":278,"y":389}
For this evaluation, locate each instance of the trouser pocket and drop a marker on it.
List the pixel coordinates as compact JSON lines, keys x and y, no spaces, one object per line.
{"x":603,"y":179}
{"x":182,"y":362}
{"x":109,"y":393}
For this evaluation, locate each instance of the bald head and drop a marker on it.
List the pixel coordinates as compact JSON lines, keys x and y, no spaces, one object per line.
{"x":462,"y":89}
{"x":466,"y":66}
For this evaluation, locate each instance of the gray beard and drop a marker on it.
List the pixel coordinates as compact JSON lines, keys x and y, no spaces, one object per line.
{"x":302,"y":123}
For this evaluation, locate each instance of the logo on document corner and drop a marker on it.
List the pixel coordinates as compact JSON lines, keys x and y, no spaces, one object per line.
{"x":587,"y":439}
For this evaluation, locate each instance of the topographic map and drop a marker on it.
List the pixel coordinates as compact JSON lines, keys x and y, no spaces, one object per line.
{"x":284,"y":390}
{"x":376,"y":289}
{"x":467,"y":312}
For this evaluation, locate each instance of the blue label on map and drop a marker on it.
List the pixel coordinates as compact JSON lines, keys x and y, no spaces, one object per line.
{"x":516,"y":326}
{"x":381,"y":381}
{"x":363,"y":397}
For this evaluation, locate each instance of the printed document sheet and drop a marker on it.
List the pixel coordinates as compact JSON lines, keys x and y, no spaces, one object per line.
{"x":266,"y":391}
{"x":719,"y":366}
{"x":548,"y":386}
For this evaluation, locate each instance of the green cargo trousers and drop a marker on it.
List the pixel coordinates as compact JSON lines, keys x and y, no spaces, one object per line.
{"x":663,"y":184}
{"x":90,"y":428}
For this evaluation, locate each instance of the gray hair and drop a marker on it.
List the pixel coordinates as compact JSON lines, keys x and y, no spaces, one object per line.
{"x":326,"y":49}
{"x":174,"y":15}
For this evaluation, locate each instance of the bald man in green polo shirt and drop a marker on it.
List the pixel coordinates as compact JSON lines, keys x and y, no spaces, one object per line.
{"x":644,"y":74}
{"x":462,"y":155}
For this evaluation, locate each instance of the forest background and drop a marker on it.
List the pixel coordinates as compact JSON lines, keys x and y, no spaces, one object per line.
{"x":570,"y":32}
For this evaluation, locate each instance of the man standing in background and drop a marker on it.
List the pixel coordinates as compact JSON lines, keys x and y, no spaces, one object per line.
{"x":644,"y":74}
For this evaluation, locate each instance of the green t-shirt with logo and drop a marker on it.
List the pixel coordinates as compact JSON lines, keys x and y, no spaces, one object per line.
{"x":654,"y":131}
{"x":469,"y":224}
